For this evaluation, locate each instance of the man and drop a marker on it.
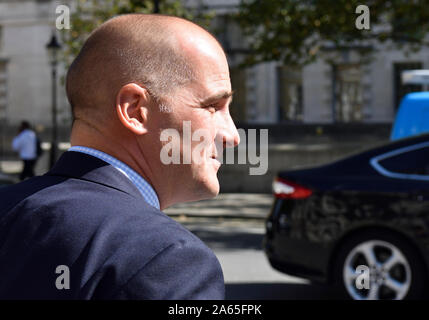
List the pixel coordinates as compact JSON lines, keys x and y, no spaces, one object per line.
{"x":26,"y":144}
{"x":95,"y":217}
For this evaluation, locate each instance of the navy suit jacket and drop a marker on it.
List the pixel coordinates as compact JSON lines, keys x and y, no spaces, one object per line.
{"x":88,"y":216}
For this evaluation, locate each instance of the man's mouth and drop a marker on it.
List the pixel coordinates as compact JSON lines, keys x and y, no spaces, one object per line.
{"x":217,"y":161}
{"x":215,"y":157}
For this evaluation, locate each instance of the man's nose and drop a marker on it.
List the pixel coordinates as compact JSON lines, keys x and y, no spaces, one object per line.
{"x":227,"y":131}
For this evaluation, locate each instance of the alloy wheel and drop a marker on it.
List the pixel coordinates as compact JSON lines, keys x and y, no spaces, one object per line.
{"x":389,"y":271}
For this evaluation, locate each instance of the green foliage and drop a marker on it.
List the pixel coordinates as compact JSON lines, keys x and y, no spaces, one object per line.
{"x":89,"y":14}
{"x":293,"y":31}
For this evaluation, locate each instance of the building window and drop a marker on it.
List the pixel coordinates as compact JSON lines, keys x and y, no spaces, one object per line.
{"x":238,"y":104}
{"x":3,"y":77}
{"x":229,"y":34}
{"x":289,"y":93}
{"x":347,"y":93}
{"x":3,"y":88}
{"x":3,"y":103}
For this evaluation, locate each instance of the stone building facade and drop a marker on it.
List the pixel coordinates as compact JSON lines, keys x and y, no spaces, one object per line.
{"x":340,"y":87}
{"x":25,"y":29}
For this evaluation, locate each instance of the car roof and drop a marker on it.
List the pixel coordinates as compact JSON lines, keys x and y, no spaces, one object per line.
{"x":365,"y":156}
{"x":357,"y":166}
{"x":400,"y":143}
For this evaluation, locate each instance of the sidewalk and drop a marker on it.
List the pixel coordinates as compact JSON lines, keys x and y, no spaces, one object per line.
{"x":14,"y":167}
{"x":226,"y":205}
{"x":10,"y":163}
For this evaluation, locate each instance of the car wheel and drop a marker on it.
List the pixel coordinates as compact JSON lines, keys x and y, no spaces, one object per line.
{"x":378,"y":265}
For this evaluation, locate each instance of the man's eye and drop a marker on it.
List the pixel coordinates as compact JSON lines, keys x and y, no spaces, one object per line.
{"x":211,"y":107}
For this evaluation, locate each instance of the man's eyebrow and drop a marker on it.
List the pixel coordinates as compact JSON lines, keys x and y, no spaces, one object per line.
{"x":219,"y":96}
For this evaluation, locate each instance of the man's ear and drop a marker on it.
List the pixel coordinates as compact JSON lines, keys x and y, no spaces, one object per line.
{"x":132,"y":103}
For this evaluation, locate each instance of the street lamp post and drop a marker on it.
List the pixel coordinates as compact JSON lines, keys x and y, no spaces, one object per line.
{"x":53,"y":46}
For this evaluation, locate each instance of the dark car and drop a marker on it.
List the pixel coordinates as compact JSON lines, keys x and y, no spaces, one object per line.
{"x":361,"y":223}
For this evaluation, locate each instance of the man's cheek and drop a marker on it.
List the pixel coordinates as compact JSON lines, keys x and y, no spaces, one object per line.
{"x":171,"y":147}
{"x":201,"y":150}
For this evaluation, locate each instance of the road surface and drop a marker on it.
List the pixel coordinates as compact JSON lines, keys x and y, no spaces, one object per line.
{"x":238,"y":245}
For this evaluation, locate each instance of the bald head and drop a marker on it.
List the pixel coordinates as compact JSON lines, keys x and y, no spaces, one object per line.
{"x":153,"y":51}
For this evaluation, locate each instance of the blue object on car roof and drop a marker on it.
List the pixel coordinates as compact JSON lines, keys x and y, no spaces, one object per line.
{"x":413,"y":116}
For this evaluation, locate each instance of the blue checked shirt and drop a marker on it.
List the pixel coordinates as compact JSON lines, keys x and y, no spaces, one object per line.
{"x":142,"y":185}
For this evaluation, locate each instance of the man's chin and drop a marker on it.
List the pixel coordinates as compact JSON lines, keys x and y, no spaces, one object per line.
{"x":211,"y":190}
{"x":214,"y":191}
{"x":204,"y":190}
{"x":207,"y":189}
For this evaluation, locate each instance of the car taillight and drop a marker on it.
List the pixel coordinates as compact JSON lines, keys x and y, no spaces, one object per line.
{"x":284,"y":189}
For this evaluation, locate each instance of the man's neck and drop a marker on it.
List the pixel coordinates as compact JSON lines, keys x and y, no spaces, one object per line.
{"x":87,"y":135}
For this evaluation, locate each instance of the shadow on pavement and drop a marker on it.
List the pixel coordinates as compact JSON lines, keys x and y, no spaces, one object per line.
{"x":280,"y":291}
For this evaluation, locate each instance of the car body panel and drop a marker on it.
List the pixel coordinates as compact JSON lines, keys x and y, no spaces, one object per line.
{"x":348,"y":195}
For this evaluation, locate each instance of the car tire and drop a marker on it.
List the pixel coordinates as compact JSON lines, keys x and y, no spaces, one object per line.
{"x":394,"y":267}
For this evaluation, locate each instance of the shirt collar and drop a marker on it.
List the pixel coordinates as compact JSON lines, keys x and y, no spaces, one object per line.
{"x":141,"y":184}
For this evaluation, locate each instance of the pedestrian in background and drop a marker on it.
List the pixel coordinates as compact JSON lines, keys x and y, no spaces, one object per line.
{"x":26,"y":144}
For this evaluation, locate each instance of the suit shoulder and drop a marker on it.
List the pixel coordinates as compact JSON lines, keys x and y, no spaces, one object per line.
{"x":105,"y":235}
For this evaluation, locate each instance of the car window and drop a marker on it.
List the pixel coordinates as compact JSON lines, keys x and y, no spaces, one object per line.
{"x":410,"y":162}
